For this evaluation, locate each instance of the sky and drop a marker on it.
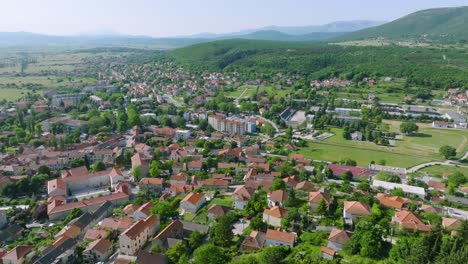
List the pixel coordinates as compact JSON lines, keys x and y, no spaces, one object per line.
{"x":160,"y":18}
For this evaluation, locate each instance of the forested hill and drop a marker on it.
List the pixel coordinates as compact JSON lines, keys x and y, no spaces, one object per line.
{"x":440,"y":24}
{"x":436,"y":68}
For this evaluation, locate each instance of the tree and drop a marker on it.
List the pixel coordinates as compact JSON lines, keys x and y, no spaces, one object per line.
{"x":222,"y":231}
{"x":408,"y":127}
{"x":164,"y":210}
{"x":321,"y":208}
{"x":154,"y":169}
{"x":346,"y":176}
{"x":447,"y":151}
{"x":98,"y":166}
{"x":176,"y":252}
{"x":278,"y":184}
{"x":195,"y":240}
{"x":44,"y":169}
{"x":210,"y":254}
{"x":397,"y":192}
{"x":289,"y":133}
{"x":275,"y":254}
{"x":256,"y":223}
{"x":457,"y":179}
{"x":367,"y":240}
{"x":77,"y":163}
{"x":136,"y":171}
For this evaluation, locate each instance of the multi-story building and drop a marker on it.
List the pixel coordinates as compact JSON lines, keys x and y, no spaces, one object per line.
{"x":73,"y":98}
{"x":232,"y":125}
{"x":136,"y":236}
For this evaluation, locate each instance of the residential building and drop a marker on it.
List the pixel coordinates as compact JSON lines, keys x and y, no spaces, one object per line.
{"x":136,"y":236}
{"x":254,"y":241}
{"x":316,"y":197}
{"x":216,"y":211}
{"x":279,"y":238}
{"x":242,"y":196}
{"x":192,"y":202}
{"x":408,"y":189}
{"x":18,"y":255}
{"x":328,"y":253}
{"x":274,"y":216}
{"x":410,"y":221}
{"x":338,"y":238}
{"x":152,"y":185}
{"x":353,"y":210}
{"x":145,"y":257}
{"x":98,"y":250}
{"x":277,"y":198}
{"x":142,"y":162}
{"x":451,"y":223}
{"x":231,"y":125}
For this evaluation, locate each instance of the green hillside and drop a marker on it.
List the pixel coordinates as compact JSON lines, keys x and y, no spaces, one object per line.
{"x":280,"y":36}
{"x":421,"y":66}
{"x":440,"y":24}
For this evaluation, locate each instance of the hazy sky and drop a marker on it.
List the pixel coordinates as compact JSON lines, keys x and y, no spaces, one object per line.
{"x":178,"y":17}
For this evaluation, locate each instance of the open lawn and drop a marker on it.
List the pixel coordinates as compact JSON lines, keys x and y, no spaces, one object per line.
{"x":438,"y":170}
{"x":224,"y":200}
{"x":12,"y":94}
{"x":408,"y":152}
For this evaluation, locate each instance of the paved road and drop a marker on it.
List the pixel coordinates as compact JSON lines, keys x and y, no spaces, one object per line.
{"x":445,"y":163}
{"x":269,"y":121}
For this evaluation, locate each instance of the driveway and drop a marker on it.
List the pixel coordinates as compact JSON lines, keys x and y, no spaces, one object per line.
{"x":240,"y":226}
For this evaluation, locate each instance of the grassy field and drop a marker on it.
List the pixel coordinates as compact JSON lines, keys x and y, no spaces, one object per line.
{"x":225,"y":201}
{"x":408,"y":152}
{"x":12,"y":94}
{"x":249,"y":91}
{"x":438,"y":170}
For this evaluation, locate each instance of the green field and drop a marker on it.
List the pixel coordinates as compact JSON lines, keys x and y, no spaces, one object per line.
{"x":224,"y":201}
{"x":408,"y":152}
{"x":438,"y":170}
{"x":249,"y":91}
{"x":12,"y":94}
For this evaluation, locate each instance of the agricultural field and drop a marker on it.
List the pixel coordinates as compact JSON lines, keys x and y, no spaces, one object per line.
{"x":408,"y":152}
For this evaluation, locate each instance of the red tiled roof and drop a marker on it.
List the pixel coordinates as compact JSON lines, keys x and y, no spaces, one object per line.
{"x":17,"y":253}
{"x":193,"y":198}
{"x":356,"y":208}
{"x":315,"y":197}
{"x":358,"y":172}
{"x":152,"y":181}
{"x":276,"y":212}
{"x":339,"y":236}
{"x":281,"y":236}
{"x":278,"y":196}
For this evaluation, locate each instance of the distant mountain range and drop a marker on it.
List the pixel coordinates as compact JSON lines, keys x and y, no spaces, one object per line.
{"x":439,"y":24}
{"x":301,"y":33}
{"x":335,"y":27}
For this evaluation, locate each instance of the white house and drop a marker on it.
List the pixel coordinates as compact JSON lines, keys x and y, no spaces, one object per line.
{"x":353,"y":210}
{"x":182,"y":134}
{"x":274,"y":216}
{"x":192,"y":202}
{"x":408,"y":189}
